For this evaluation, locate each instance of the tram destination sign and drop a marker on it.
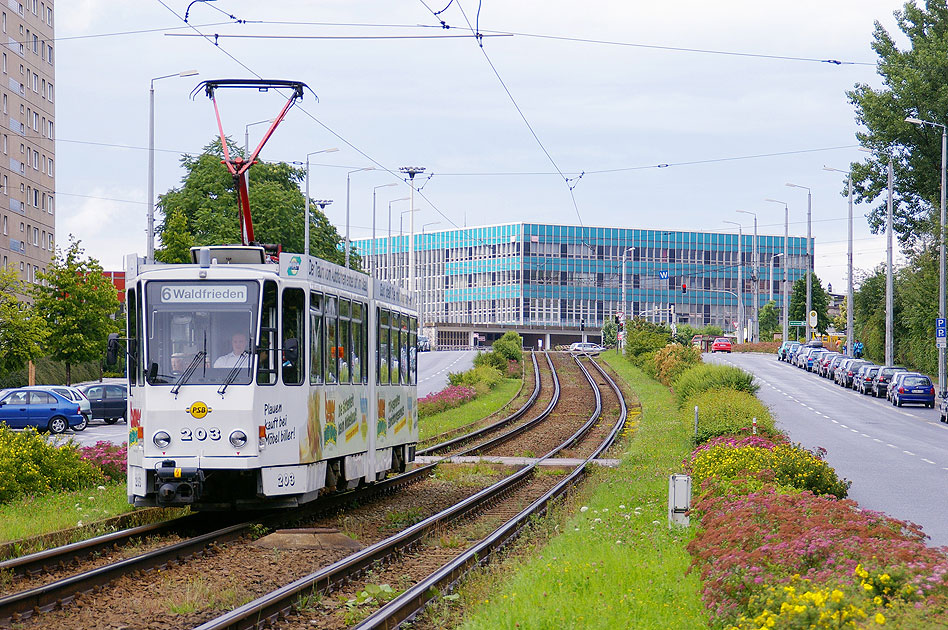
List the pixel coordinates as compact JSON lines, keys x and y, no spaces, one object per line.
{"x":323,"y":272}
{"x":215,"y":293}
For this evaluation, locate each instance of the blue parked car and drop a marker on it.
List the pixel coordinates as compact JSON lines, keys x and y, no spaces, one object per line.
{"x":913,"y":388}
{"x":34,"y":407}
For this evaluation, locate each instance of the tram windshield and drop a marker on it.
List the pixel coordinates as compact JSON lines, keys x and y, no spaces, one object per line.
{"x":201,"y":333}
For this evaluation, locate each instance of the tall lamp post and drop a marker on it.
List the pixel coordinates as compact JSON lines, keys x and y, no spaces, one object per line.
{"x":850,"y":326}
{"x":150,"y":246}
{"x":786,"y":267}
{"x":740,"y":279}
{"x":374,"y":245}
{"x":390,"y":275}
{"x":771,"y":296}
{"x":755,"y":291}
{"x":357,"y":170}
{"x":809,"y":259}
{"x":247,"y":134}
{"x":624,"y":300}
{"x":941,"y":245}
{"x":323,"y":204}
{"x":411,"y":171}
{"x":889,"y":332}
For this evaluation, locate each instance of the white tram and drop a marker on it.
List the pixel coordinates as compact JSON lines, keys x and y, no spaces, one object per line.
{"x":253,"y":384}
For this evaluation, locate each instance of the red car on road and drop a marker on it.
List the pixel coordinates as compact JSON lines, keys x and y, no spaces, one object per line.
{"x":721,"y":344}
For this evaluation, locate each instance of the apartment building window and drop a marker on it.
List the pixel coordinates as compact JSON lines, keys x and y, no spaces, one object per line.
{"x":50,"y":135}
{"x":4,"y":103}
{"x":36,"y":199}
{"x":5,"y":191}
{"x":34,"y":6}
{"x":43,"y":241}
{"x":36,"y":160}
{"x":49,"y":96}
{"x":21,"y":266}
{"x":5,"y":224}
{"x":4,"y":63}
{"x":4,"y":21}
{"x":22,"y":148}
{"x":36,"y":85}
{"x":49,"y":208}
{"x":49,"y":16}
{"x":5,"y":262}
{"x":49,"y":54}
{"x":50,"y":167}
{"x":36,"y":118}
{"x":35,"y":44}
{"x":22,"y":226}
{"x":50,"y":247}
{"x":36,"y":237}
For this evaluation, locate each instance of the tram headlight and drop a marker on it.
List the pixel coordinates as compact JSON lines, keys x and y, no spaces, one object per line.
{"x":161,"y":439}
{"x":238,"y":439}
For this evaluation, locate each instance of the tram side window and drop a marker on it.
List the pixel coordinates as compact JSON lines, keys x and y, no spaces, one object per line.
{"x":316,"y":338}
{"x":266,"y":360}
{"x":344,"y":351}
{"x":382,"y":358}
{"x":140,"y":337}
{"x":131,"y":358}
{"x":331,"y":349}
{"x":294,"y":302}
{"x":413,"y":351}
{"x":358,"y":352}
{"x":403,"y":350}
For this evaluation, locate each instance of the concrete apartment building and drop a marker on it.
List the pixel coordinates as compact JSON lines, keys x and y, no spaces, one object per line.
{"x":27,"y":165}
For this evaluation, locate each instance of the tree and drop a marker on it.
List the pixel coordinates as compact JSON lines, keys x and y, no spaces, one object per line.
{"x":77,"y":302}
{"x":819,"y":302}
{"x":22,"y":332}
{"x":913,"y":83}
{"x":176,"y":239}
{"x":769,"y":320}
{"x":610,"y":332}
{"x":207,"y":199}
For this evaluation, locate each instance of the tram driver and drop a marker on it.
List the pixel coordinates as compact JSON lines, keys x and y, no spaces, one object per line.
{"x":238,"y":349}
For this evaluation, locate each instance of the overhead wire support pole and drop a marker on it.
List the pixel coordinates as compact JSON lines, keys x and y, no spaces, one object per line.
{"x":411,"y":171}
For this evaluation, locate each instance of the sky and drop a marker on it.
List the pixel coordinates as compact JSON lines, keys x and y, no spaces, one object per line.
{"x":630,"y":114}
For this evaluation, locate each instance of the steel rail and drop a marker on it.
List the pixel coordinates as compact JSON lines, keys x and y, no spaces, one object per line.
{"x":467,"y":437}
{"x":273,"y":606}
{"x":411,"y":602}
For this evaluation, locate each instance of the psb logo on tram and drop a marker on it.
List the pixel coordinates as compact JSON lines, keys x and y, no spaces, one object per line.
{"x":198,"y":410}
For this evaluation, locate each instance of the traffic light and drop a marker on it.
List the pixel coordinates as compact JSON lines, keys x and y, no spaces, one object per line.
{"x":582,"y":324}
{"x":684,"y":288}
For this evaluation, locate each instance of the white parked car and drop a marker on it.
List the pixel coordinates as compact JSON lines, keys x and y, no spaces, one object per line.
{"x":588,"y":349}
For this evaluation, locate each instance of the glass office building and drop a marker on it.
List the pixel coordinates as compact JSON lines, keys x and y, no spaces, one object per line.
{"x":566,"y":279}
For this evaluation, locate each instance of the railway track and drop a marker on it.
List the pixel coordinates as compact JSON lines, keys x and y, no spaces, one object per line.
{"x":204,"y":536}
{"x":270,"y":610}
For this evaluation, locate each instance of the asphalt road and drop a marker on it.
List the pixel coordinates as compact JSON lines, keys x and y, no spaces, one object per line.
{"x":896,"y":458}
{"x":433,"y":369}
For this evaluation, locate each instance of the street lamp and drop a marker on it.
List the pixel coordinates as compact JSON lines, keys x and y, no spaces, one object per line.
{"x":323,"y":204}
{"x":740,"y":278}
{"x":374,"y":246}
{"x":391,"y":269}
{"x":624,"y":300}
{"x":850,"y":331}
{"x":771,"y":297}
{"x":755,"y":330}
{"x":786,"y":267}
{"x":247,"y":135}
{"x":941,"y":245}
{"x":411,"y":171}
{"x":150,"y":246}
{"x":809,"y":260}
{"x":357,"y":170}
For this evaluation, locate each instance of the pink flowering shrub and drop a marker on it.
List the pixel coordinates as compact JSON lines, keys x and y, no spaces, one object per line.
{"x":448,"y":398}
{"x":111,"y":459}
{"x":754,"y":542}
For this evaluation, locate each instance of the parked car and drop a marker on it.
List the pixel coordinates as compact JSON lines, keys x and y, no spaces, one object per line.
{"x":914,"y":388}
{"x":803,"y":356}
{"x":721,"y":344}
{"x":943,"y":409}
{"x":894,"y":384}
{"x":883,"y":377}
{"x":812,"y":358}
{"x":785,"y":348}
{"x":75,"y":395}
{"x":587,"y":349}
{"x":864,"y":379}
{"x":830,"y":370}
{"x":34,"y":407}
{"x":848,"y":378}
{"x":108,"y":401}
{"x":792,"y":353}
{"x":824,"y":362}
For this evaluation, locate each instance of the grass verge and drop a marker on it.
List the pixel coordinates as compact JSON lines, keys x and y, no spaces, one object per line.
{"x":36,"y":523}
{"x":611,"y":560}
{"x":469,"y":412}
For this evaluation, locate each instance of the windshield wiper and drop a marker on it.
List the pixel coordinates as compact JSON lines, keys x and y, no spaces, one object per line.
{"x":232,"y":376}
{"x":198,"y":358}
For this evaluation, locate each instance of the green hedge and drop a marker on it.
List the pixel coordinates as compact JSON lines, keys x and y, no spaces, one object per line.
{"x":49,"y":372}
{"x":706,"y":376}
{"x":729,"y":412}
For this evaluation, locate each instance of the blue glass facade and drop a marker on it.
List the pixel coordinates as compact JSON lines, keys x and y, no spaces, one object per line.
{"x":530,"y":274}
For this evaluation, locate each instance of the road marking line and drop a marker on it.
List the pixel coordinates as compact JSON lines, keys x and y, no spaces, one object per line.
{"x":877,"y":440}
{"x":909,"y":453}
{"x":855,"y":431}
{"x":928,"y":461}
{"x":864,"y":435}
{"x":844,"y":426}
{"x":891,"y":445}
{"x":834,"y":421}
